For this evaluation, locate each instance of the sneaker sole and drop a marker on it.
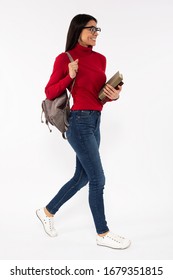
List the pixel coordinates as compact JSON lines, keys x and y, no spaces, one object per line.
{"x":114,"y":247}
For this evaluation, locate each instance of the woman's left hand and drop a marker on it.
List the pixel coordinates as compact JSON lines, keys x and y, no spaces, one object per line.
{"x":111,"y":92}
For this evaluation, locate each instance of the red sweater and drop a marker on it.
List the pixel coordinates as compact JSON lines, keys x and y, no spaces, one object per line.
{"x":89,"y":80}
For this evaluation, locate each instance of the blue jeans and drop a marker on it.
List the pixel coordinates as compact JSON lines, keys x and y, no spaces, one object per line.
{"x":83,"y":135}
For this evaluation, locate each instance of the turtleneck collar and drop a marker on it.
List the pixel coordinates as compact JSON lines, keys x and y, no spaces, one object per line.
{"x":83,"y":49}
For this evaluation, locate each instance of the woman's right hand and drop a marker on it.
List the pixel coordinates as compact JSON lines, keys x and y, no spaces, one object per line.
{"x":73,"y":68}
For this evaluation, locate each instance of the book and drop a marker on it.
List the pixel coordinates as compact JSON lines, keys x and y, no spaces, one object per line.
{"x":114,"y":81}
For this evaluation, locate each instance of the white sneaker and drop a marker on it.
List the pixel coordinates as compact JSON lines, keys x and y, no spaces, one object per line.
{"x":113,"y":241}
{"x":47,"y":222}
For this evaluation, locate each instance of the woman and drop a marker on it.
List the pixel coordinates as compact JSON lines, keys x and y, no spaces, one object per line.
{"x":83,"y":133}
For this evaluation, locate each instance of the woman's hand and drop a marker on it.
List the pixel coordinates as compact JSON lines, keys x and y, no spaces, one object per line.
{"x":73,"y":68}
{"x":111,"y":92}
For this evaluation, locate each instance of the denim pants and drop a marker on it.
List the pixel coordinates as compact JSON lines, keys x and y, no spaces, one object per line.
{"x":83,"y":135}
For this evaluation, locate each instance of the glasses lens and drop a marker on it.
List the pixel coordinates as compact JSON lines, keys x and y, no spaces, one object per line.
{"x":95,"y":29}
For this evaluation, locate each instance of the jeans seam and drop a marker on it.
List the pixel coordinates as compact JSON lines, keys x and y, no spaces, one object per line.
{"x":55,"y":206}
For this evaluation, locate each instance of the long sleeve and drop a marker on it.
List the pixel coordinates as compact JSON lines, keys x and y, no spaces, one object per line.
{"x":59,"y":79}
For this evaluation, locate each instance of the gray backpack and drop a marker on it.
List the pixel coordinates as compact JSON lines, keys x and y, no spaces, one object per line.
{"x":57,"y":111}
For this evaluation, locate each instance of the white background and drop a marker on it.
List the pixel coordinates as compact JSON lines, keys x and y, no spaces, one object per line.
{"x":137,"y":139}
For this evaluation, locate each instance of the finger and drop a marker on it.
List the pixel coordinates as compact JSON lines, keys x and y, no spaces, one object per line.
{"x":74,"y":66}
{"x":106,"y":90}
{"x":74,"y":62}
{"x":109,"y":86}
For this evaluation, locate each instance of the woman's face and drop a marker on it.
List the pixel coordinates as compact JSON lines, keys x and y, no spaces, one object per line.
{"x":88,"y":35}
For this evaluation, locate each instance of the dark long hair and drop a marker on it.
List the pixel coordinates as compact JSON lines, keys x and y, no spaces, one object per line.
{"x":75,"y":28}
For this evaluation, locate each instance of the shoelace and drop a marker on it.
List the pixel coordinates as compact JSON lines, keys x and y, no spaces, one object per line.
{"x":50,"y":222}
{"x":115,"y":237}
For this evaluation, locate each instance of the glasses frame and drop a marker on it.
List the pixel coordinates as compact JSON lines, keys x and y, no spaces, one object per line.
{"x":93,"y":29}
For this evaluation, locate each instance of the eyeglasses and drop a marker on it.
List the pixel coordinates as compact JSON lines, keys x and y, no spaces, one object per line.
{"x":93,"y":29}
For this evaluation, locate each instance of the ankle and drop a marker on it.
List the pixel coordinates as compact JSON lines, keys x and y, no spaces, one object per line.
{"x":48,"y":214}
{"x":103,"y":234}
